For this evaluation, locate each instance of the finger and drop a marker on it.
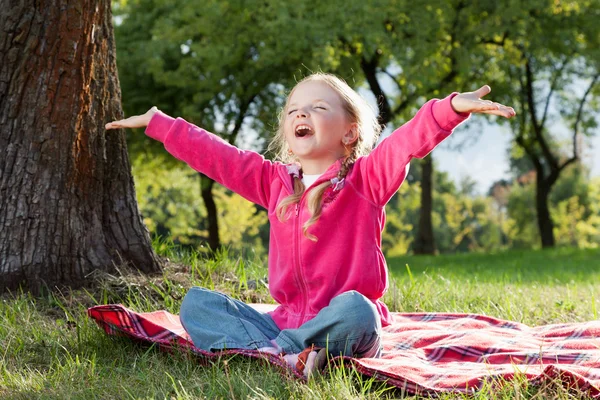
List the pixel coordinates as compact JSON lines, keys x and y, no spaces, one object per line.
{"x":486,"y":105}
{"x":505,"y":112}
{"x":113,"y":125}
{"x":491,"y":106}
{"x":482,"y":91}
{"x":508,"y":111}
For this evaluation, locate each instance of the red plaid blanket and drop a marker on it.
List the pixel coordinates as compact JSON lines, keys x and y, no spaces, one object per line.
{"x":426,"y":353}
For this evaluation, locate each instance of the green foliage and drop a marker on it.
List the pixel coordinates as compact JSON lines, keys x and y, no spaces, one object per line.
{"x":574,"y":182}
{"x":169,"y":199}
{"x":223,"y":63}
{"x":574,"y":207}
{"x":401,"y":219}
{"x":241,"y":222}
{"x":467,"y":224}
{"x":577,"y":223}
{"x":172,"y":207}
{"x":522,"y":226}
{"x":227,"y":65}
{"x":404,"y":54}
{"x":462,"y":220}
{"x":545,"y":62}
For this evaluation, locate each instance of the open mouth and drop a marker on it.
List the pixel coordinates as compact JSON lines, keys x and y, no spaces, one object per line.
{"x":303,"y":131}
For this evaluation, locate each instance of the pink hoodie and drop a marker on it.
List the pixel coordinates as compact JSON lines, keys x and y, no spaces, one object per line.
{"x":304,"y":275}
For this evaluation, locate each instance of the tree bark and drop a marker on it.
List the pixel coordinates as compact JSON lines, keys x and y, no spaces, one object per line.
{"x":424,"y":240}
{"x":544,"y":220}
{"x":206,"y":186}
{"x":66,"y":189}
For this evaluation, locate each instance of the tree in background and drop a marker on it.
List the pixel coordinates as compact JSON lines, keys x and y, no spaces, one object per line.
{"x":67,"y":195}
{"x":545,"y":61}
{"x":463,"y":220}
{"x":221,"y":66}
{"x":412,"y":51}
{"x":215,"y":55}
{"x":168,"y":199}
{"x":174,"y":212}
{"x":522,"y":51}
{"x":573,"y":206}
{"x":205,"y":63}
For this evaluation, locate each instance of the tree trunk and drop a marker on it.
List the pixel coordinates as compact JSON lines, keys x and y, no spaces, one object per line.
{"x":66,"y":190}
{"x":206,"y":186}
{"x":424,"y":241}
{"x":544,"y":220}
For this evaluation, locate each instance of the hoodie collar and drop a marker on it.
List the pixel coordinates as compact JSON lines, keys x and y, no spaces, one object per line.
{"x":293,"y":170}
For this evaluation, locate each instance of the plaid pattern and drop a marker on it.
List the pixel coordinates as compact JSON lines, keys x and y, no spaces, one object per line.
{"x":425,"y":353}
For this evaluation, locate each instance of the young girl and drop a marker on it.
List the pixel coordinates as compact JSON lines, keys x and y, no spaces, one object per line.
{"x":325,"y":200}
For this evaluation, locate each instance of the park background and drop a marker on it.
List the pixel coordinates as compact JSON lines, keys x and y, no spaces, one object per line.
{"x":228,"y":66}
{"x":70,"y":235}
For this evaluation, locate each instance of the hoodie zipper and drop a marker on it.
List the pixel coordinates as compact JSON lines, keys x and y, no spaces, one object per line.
{"x":297,"y":237}
{"x":299,"y":274}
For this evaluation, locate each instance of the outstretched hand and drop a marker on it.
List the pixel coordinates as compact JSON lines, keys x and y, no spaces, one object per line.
{"x":471,"y":102}
{"x":137,"y":121}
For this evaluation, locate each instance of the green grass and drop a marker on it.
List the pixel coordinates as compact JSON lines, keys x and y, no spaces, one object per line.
{"x":49,"y":349}
{"x":532,"y":287}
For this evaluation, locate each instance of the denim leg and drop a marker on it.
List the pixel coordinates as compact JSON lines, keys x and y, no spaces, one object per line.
{"x":349,"y":326}
{"x":215,"y":321}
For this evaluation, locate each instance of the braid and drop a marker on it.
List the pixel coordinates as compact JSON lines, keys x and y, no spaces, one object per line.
{"x":347,"y":164}
{"x":315,"y":199}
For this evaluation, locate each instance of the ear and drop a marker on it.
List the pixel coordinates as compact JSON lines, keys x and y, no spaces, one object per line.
{"x":351,"y":135}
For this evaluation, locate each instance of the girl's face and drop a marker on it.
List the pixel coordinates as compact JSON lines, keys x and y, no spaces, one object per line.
{"x":316,"y":126}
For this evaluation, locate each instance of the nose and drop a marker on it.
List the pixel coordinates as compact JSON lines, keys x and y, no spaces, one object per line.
{"x":302,"y":113}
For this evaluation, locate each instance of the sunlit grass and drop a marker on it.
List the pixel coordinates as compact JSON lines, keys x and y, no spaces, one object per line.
{"x":532,"y":287}
{"x":49,"y":348}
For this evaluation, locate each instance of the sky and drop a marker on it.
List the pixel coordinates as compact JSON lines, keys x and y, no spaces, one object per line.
{"x":486,"y":160}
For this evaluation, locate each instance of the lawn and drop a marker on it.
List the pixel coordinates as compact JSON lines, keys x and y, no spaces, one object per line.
{"x":50,"y":349}
{"x":532,"y":287}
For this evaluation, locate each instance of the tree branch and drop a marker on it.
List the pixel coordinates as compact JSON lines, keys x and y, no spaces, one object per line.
{"x":579,"y":116}
{"x":369,"y":68}
{"x":552,"y":88}
{"x":452,"y":56}
{"x":537,"y":129}
{"x":393,"y":78}
{"x":530,"y":152}
{"x":239,"y":120}
{"x":520,"y":138}
{"x":409,"y":98}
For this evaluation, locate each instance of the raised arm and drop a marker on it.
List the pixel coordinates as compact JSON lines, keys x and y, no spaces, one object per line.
{"x":244,"y":172}
{"x":383,"y":171}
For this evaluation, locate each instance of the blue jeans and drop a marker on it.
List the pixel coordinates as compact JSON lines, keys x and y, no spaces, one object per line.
{"x":348,"y":326}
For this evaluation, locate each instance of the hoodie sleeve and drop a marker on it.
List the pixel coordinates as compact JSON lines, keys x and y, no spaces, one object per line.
{"x":382,"y":172}
{"x":244,"y":172}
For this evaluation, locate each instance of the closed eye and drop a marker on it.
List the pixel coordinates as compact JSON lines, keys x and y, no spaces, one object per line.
{"x":291,"y":112}
{"x":321,"y":107}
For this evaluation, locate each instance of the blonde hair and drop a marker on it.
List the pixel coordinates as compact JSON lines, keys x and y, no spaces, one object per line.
{"x":359,"y":112}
